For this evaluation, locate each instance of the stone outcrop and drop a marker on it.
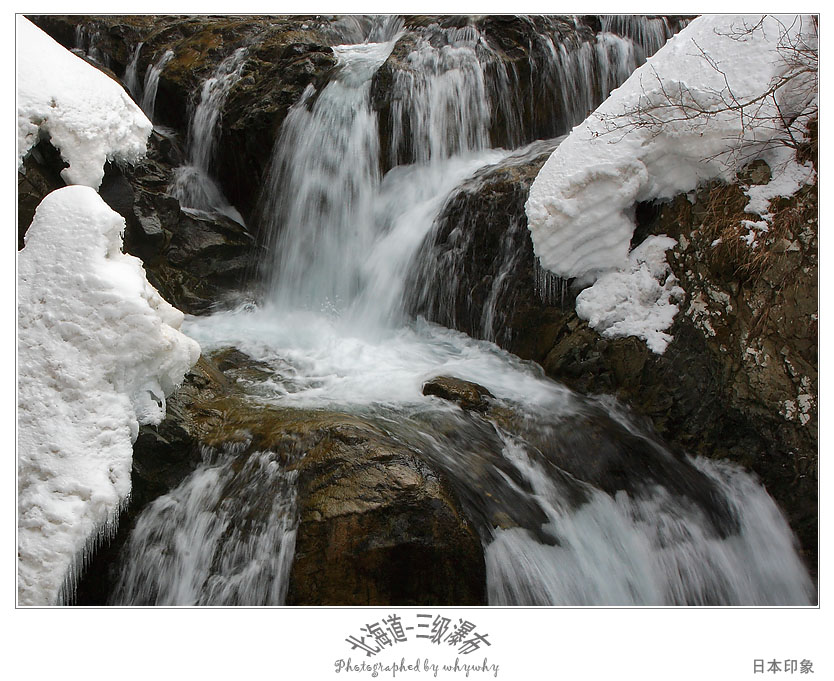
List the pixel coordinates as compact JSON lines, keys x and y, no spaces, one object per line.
{"x":195,"y":259}
{"x":285,"y":55}
{"x":738,"y":382}
{"x":377,"y":524}
{"x":476,"y":272}
{"x":468,"y":395}
{"x":515,"y":54}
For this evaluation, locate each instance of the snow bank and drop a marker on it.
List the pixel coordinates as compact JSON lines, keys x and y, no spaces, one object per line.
{"x":98,"y":351}
{"x":88,"y":116}
{"x":649,"y":139}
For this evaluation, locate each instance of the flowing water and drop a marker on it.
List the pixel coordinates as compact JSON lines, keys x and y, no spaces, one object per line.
{"x":574,"y":501}
{"x":131,"y":77}
{"x":193,"y":184}
{"x":151,"y":85}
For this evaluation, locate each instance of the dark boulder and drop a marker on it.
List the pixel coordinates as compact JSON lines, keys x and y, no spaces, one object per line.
{"x":377,"y":524}
{"x":284,"y":56}
{"x":468,"y":395}
{"x":39,"y":175}
{"x":476,"y":270}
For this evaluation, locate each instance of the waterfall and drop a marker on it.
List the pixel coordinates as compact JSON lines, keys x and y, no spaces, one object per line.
{"x":152,"y":83}
{"x":653,"y":549}
{"x":574,"y":503}
{"x":649,"y":34}
{"x":442,"y":97}
{"x":446,"y":283}
{"x":131,"y":77}
{"x":193,"y":185}
{"x":87,"y":44}
{"x":323,"y":180}
{"x":199,"y":545}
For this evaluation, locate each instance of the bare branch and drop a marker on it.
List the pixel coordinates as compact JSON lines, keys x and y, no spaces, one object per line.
{"x":789,"y":100}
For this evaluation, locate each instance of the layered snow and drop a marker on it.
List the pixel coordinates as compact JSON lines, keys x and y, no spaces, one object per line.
{"x":693,"y":113}
{"x":99,"y":350}
{"x":87,"y":116}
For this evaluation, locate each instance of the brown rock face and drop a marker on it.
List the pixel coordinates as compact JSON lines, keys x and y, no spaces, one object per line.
{"x":377,"y":526}
{"x":285,"y":55}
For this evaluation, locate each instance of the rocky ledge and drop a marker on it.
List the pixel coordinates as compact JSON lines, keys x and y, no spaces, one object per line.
{"x":739,"y":380}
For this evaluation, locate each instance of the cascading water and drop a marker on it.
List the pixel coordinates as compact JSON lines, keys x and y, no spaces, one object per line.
{"x":148,"y":103}
{"x":323,"y":182}
{"x":193,"y":185}
{"x":573,"y":502}
{"x":191,"y":547}
{"x":648,"y":33}
{"x":87,"y":43}
{"x":131,"y":77}
{"x":446,"y":286}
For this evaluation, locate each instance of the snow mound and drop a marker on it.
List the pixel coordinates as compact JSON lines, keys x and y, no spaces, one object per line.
{"x":88,"y":116}
{"x":693,"y":113}
{"x":638,"y":300}
{"x":98,"y":352}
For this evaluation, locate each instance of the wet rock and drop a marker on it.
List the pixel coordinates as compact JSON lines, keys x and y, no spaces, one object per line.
{"x":378,"y":526}
{"x":468,"y":395}
{"x":515,"y":51}
{"x":163,"y":456}
{"x":285,"y":55}
{"x":280,"y":67}
{"x":739,"y":381}
{"x":595,"y":448}
{"x":377,"y":523}
{"x":195,"y":259}
{"x":754,"y":315}
{"x":476,"y":271}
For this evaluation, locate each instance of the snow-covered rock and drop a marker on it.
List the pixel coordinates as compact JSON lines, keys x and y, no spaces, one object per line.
{"x":98,"y":351}
{"x":87,"y":116}
{"x":694,"y":112}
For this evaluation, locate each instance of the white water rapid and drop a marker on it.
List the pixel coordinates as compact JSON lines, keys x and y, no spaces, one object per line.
{"x":333,"y":334}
